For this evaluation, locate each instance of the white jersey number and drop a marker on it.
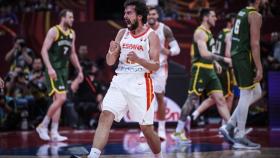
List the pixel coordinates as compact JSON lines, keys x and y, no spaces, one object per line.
{"x":237,"y":26}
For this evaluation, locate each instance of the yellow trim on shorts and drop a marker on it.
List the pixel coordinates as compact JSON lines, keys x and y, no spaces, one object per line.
{"x":249,"y":87}
{"x":194,"y":83}
{"x":54,"y":90}
{"x":229,"y":93}
{"x":214,"y":91}
{"x":206,"y":66}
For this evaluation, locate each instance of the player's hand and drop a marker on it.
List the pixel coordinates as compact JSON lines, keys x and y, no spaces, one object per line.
{"x":228,"y":60}
{"x":132,"y":57}
{"x":1,"y":83}
{"x":218,"y":67}
{"x":259,"y":75}
{"x":165,"y":51}
{"x":75,"y":85}
{"x":52,"y":74}
{"x":80,"y":77}
{"x":114,"y":47}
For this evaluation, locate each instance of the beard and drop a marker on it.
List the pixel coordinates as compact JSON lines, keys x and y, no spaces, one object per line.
{"x":211,"y":24}
{"x":133,"y":25}
{"x":68,"y":24}
{"x":151,"y":21}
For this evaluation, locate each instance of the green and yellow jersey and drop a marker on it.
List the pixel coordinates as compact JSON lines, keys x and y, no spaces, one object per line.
{"x":196,"y":57}
{"x":241,"y":32}
{"x":221,"y":45}
{"x":61,"y":48}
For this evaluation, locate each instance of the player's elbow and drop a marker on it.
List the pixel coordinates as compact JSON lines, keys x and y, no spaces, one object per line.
{"x":205,"y":55}
{"x":155,"y":67}
{"x":110,"y":63}
{"x":174,"y":48}
{"x":255,"y":44}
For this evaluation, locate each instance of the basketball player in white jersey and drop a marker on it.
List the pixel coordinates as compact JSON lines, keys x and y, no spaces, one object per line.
{"x":160,"y":76}
{"x":137,"y":47}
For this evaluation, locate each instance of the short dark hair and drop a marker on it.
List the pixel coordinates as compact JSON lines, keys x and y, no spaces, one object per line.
{"x":140,"y":8}
{"x":230,"y":16}
{"x":204,"y":12}
{"x":153,"y":8}
{"x":63,"y":13}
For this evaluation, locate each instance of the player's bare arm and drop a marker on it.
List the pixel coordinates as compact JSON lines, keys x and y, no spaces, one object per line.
{"x":50,"y":38}
{"x":200,"y":38}
{"x":173,"y":44}
{"x":153,"y":63}
{"x":228,"y":47}
{"x":255,"y":20}
{"x":75,"y":61}
{"x":114,"y":49}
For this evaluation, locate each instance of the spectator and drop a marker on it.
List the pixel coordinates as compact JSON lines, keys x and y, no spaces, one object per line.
{"x":38,"y":90}
{"x":19,"y":93}
{"x":198,"y":4}
{"x":20,"y":55}
{"x":87,"y":97}
{"x":275,"y":38}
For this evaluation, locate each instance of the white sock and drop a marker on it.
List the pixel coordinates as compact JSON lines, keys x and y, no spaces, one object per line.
{"x":45,"y":122}
{"x":257,"y":93}
{"x":54,"y":127}
{"x":161,"y":124}
{"x":94,"y":153}
{"x":195,"y":114}
{"x":242,"y":110}
{"x":159,"y":155}
{"x":180,"y":126}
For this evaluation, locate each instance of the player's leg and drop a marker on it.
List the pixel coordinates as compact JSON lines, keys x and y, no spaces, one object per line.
{"x":228,"y":87}
{"x":206,"y":104}
{"x":221,"y":105}
{"x":161,"y":115}
{"x":152,"y":139}
{"x":243,"y":68}
{"x":188,"y":106}
{"x":141,"y":103}
{"x":195,"y":90}
{"x":159,"y":81}
{"x":114,"y":107}
{"x":57,"y":89}
{"x":102,"y":133}
{"x":55,"y":136}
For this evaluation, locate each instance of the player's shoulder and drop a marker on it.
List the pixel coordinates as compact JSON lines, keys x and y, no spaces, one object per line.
{"x":166,"y":27}
{"x":255,"y":14}
{"x":122,"y":30}
{"x":152,"y":34}
{"x":53,"y":31}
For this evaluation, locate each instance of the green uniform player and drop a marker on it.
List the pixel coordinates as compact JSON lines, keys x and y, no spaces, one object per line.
{"x":243,"y":64}
{"x":224,"y":72}
{"x":203,"y":75}
{"x":59,"y":54}
{"x":226,"y":76}
{"x":245,"y":54}
{"x":57,"y":50}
